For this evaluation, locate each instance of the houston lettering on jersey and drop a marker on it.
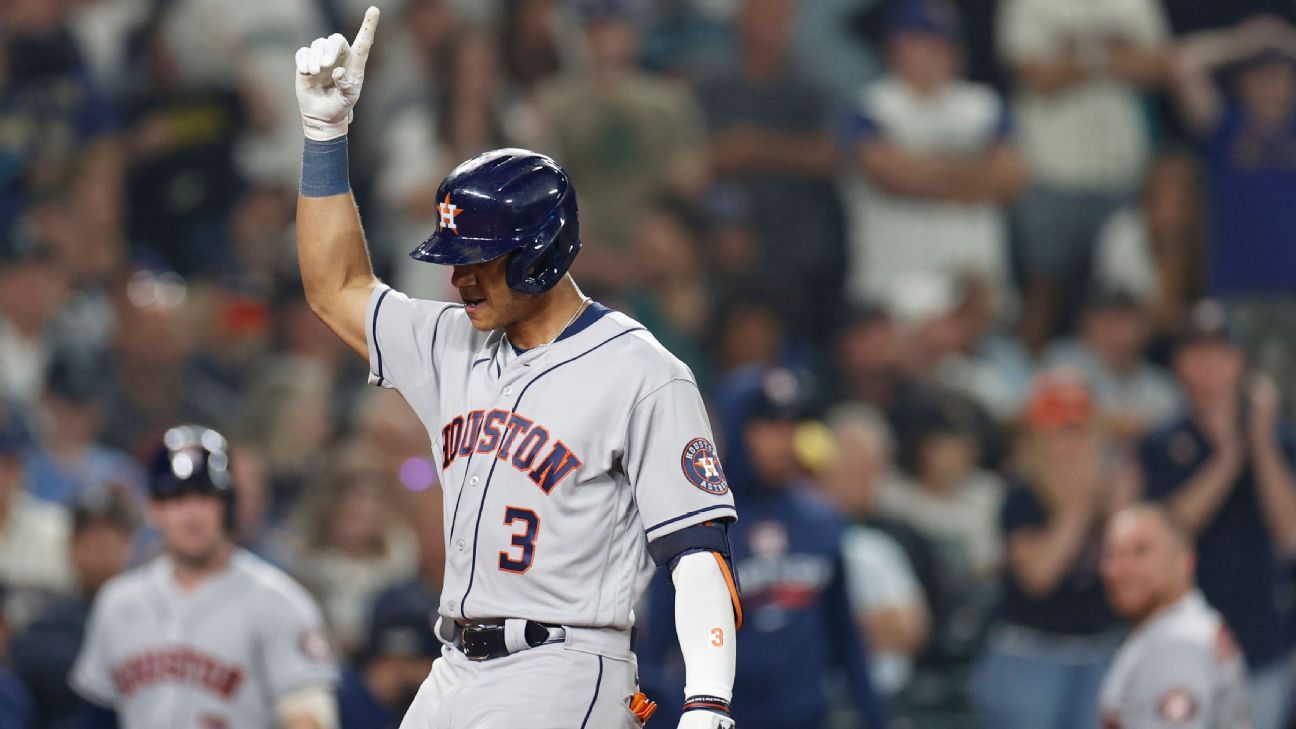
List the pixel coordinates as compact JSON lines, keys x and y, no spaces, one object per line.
{"x":178,"y":664}
{"x":512,"y":438}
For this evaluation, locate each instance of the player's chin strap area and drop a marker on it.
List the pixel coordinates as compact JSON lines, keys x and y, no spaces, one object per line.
{"x":496,"y":639}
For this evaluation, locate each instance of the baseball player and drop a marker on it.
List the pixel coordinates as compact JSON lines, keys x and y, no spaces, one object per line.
{"x":206,"y":635}
{"x":1180,"y":667}
{"x":574,"y":450}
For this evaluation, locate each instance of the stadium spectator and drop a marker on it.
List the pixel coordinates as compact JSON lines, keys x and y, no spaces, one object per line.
{"x":531,"y":42}
{"x":889,"y":602}
{"x":938,"y":162}
{"x":1079,"y":75}
{"x":943,"y":492}
{"x":625,"y":137}
{"x":426,"y":514}
{"x":1054,"y":635}
{"x":472,"y":115}
{"x":52,"y":110}
{"x":33,"y":533}
{"x":1133,"y":396}
{"x":253,"y":528}
{"x":1226,"y":471}
{"x":1248,"y":135}
{"x":32,"y":289}
{"x":153,"y":382}
{"x":391,"y":664}
{"x":674,"y":297}
{"x":1154,"y":249}
{"x":44,"y":651}
{"x":750,"y":329}
{"x":240,"y":45}
{"x":769,"y":136}
{"x":68,"y":462}
{"x":986,"y":363}
{"x":289,"y":413}
{"x":787,"y":552}
{"x":866,"y":358}
{"x":180,"y":139}
{"x":354,"y":542}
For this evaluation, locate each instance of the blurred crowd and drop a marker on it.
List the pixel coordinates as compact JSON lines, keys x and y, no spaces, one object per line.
{"x":959,"y":279}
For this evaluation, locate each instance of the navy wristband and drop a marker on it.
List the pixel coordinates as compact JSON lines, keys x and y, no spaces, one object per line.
{"x":324,"y":168}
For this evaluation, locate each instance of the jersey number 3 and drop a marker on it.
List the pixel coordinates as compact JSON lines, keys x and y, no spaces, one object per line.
{"x":526,"y":540}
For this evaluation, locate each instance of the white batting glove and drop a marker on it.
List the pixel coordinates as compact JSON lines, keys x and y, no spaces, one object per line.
{"x":330,"y":73}
{"x":705,"y":720}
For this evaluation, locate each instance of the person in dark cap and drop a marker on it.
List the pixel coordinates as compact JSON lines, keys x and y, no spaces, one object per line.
{"x":1133,"y":395}
{"x":1225,"y":470}
{"x":787,"y":551}
{"x":32,"y":288}
{"x":389,"y":667}
{"x":42,"y":654}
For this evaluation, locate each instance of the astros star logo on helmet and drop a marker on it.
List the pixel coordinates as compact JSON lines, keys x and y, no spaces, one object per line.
{"x":448,"y":211}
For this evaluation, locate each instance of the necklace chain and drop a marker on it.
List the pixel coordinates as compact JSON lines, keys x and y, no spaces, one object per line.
{"x":584,"y":302}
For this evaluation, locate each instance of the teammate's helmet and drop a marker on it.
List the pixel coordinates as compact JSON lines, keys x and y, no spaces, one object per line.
{"x":509,"y":201}
{"x":193,"y":459}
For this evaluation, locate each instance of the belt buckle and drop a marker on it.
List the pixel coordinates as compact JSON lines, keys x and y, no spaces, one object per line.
{"x":474,"y":641}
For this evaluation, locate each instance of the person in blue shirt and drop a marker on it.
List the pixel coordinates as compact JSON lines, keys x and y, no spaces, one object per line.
{"x":1248,"y":138}
{"x":787,"y":551}
{"x":1225,"y":470}
{"x":392,"y":663}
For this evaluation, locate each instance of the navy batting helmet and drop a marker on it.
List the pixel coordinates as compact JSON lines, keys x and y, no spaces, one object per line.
{"x":507,"y":202}
{"x":193,"y":459}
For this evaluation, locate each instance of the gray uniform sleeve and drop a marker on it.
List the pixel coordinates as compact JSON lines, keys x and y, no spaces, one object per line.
{"x":401,"y":333}
{"x":91,"y":675}
{"x":1173,"y":687}
{"x":670,"y":459}
{"x":295,"y":650}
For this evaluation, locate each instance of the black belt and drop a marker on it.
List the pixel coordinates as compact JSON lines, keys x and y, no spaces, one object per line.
{"x":484,"y":642}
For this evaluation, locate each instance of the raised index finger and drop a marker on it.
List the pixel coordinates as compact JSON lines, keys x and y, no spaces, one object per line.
{"x":364,"y":39}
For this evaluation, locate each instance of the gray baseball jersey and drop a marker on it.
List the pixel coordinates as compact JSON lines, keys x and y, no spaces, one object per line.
{"x":558,"y":464}
{"x":1180,"y":669}
{"x":218,"y":657}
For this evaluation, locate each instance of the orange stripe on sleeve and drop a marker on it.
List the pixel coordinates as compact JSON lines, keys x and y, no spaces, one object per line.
{"x":733,"y":589}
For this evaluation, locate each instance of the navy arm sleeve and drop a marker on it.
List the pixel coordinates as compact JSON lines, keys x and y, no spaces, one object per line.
{"x":94,"y":716}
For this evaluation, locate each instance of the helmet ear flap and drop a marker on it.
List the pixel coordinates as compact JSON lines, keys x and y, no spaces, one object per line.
{"x":540,"y":265}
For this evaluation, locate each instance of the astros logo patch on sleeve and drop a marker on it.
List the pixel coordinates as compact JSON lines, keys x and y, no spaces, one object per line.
{"x":1178,"y":706}
{"x":702,"y":467}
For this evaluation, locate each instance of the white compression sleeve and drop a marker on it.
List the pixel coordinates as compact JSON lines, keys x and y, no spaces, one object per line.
{"x":704,"y":622}
{"x":316,"y":704}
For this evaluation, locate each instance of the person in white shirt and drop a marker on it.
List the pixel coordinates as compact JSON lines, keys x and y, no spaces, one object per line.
{"x":937,"y":163}
{"x":33,"y":533}
{"x":1079,"y":70}
{"x":1180,"y":666}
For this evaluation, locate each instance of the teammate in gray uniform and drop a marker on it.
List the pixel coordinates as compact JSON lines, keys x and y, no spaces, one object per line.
{"x":574,"y":450}
{"x":206,"y":635}
{"x":1180,"y":666}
